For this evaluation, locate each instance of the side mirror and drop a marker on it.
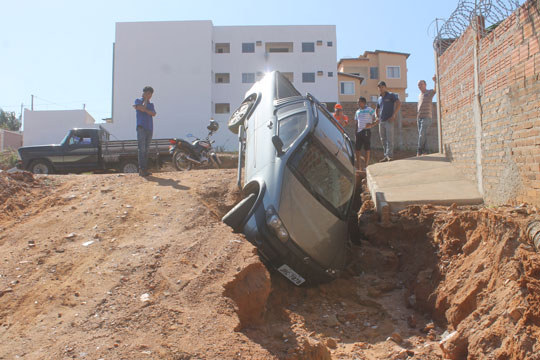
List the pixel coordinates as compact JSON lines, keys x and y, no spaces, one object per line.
{"x":278,"y":144}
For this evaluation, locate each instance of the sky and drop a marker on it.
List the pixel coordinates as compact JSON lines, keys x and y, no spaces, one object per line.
{"x":60,"y":51}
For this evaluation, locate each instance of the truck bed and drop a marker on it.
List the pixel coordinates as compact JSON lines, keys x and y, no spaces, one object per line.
{"x":114,"y":150}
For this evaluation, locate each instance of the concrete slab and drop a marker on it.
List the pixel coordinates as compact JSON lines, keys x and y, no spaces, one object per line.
{"x":430,"y":179}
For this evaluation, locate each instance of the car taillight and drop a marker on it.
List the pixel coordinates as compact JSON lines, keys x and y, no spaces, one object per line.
{"x":276,"y":225}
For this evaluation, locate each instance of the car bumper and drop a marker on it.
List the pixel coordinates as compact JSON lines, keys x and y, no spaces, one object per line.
{"x":287,"y":256}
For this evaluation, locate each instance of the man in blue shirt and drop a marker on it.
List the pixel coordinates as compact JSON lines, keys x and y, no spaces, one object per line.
{"x":388,"y":106}
{"x":145,"y":127}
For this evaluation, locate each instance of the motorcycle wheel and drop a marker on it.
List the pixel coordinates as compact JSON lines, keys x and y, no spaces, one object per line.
{"x":180,"y":161}
{"x":215,"y":161}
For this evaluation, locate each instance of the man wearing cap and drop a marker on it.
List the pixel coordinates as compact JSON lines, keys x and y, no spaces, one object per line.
{"x":387,"y":109}
{"x":339,"y":116}
{"x":145,"y":111}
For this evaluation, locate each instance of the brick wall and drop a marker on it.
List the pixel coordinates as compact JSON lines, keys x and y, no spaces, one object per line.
{"x":10,"y":139}
{"x":506,"y":147}
{"x":407,"y":138}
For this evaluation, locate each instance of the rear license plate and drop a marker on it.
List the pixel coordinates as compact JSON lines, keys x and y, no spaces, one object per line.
{"x":291,"y":275}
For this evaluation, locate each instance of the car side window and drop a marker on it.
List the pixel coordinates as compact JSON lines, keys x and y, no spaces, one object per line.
{"x":292,"y":121}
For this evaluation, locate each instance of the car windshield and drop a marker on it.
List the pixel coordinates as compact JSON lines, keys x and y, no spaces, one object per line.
{"x":292,"y":121}
{"x":323,"y":175}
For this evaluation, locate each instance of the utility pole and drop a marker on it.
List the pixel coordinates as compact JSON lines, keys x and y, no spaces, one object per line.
{"x":32,"y":106}
{"x":438,"y":87}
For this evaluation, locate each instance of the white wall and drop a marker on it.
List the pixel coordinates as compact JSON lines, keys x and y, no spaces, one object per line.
{"x":50,"y":126}
{"x":173,"y":58}
{"x":178,"y":60}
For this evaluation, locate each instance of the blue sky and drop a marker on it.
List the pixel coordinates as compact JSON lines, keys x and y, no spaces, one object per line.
{"x":61,"y":51}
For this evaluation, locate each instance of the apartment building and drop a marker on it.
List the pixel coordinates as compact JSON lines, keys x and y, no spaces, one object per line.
{"x":359,"y":76}
{"x":200,"y":71}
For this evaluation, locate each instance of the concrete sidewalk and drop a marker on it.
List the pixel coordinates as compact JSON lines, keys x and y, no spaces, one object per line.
{"x":429,"y":179}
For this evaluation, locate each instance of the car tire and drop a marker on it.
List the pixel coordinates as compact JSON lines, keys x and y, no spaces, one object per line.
{"x":129,"y":166}
{"x":180,"y":161}
{"x":241,"y":113}
{"x":41,"y":167}
{"x":237,"y":215}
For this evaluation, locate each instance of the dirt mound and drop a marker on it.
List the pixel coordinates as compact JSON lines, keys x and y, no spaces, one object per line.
{"x":485,"y":287}
{"x":17,"y":191}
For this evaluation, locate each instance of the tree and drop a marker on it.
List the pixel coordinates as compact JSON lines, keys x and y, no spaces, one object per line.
{"x":9,"y":121}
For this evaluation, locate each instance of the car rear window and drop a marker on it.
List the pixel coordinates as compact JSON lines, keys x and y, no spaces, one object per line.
{"x":284,"y":88}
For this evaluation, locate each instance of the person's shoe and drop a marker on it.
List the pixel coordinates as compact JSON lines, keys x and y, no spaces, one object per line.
{"x":144,"y":173}
{"x":384,"y":159}
{"x":388,"y":159}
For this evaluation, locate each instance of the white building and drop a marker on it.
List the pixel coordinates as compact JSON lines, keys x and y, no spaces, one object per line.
{"x":51,"y":126}
{"x":200,"y":71}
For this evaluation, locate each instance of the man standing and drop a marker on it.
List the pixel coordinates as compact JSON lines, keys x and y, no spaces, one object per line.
{"x":145,"y":127}
{"x":339,"y":116}
{"x":364,"y":118}
{"x":388,"y":106}
{"x":424,"y":116}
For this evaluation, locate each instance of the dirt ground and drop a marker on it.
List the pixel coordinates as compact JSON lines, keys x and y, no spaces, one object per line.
{"x":116,"y":266}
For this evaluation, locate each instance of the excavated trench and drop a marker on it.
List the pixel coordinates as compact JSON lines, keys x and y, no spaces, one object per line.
{"x":435,"y":282}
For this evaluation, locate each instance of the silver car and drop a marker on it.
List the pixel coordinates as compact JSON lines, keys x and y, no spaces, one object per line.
{"x":299,"y":181}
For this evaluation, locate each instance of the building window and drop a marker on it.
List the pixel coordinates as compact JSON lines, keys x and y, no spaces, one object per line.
{"x":346,"y":88}
{"x":319,"y":42}
{"x":374,"y":72}
{"x":289,"y":76}
{"x":320,"y":73}
{"x":279,"y":47}
{"x":374,"y":98}
{"x":222,"y":78}
{"x":308,"y":77}
{"x":248,"y":47}
{"x":223,"y":108}
{"x":392,"y":72}
{"x":248,"y":78}
{"x":330,"y":74}
{"x":223,"y":48}
{"x":329,"y":44}
{"x":308,"y":47}
{"x":259,"y":43}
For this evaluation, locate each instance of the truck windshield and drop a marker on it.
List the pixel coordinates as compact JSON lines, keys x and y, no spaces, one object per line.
{"x":326,"y":178}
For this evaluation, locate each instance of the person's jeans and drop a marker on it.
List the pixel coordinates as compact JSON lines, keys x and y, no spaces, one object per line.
{"x":423,"y":126}
{"x":386,"y":131}
{"x":144,"y":137}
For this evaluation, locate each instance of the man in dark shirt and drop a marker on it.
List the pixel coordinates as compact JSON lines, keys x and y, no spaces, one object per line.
{"x":145,"y":127}
{"x":424,"y":116}
{"x":388,"y":106}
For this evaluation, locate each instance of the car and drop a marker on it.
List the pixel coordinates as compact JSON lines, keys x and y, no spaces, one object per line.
{"x":299,"y":181}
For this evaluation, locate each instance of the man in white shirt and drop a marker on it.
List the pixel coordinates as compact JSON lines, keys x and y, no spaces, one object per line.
{"x":364,"y":119}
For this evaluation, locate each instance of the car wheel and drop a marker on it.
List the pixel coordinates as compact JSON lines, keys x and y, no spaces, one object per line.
{"x":240,"y":114}
{"x":237,"y":215}
{"x":41,"y":167}
{"x":129,"y":166}
{"x":180,"y":161}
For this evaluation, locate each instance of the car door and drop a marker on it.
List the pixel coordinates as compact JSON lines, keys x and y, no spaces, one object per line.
{"x":81,"y":151}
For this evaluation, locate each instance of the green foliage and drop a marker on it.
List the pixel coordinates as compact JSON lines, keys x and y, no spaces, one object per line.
{"x":9,"y":121}
{"x":8,"y":159}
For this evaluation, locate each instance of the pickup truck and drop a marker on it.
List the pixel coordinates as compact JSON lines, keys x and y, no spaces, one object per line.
{"x":89,"y":150}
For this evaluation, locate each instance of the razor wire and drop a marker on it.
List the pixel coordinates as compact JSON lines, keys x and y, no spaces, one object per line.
{"x":490,"y":12}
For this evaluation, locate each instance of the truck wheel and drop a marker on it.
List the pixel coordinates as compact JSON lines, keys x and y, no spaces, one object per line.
{"x":129,"y":166}
{"x":41,"y":167}
{"x":237,"y":215}
{"x":180,"y":161}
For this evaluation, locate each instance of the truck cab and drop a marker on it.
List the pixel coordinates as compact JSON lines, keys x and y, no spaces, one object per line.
{"x":79,"y":151}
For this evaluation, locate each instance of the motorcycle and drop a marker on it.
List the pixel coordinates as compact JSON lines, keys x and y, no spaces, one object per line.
{"x":199,"y":152}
